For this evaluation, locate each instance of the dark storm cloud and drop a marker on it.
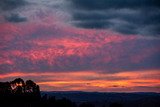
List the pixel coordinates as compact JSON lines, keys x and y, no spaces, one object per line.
{"x":15,"y":18}
{"x":105,"y":4}
{"x":8,"y":8}
{"x":11,"y":4}
{"x":124,"y":16}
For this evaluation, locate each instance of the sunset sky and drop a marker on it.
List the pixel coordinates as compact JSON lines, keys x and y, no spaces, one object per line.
{"x":82,"y":45}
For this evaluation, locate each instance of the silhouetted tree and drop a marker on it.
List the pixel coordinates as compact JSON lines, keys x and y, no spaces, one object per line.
{"x":17,"y":86}
{"x":30,"y":86}
{"x":19,"y":81}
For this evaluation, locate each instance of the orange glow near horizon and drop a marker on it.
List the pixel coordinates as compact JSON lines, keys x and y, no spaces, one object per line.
{"x":92,"y":81}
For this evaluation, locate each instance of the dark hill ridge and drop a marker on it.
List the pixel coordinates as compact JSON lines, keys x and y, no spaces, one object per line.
{"x":137,"y":99}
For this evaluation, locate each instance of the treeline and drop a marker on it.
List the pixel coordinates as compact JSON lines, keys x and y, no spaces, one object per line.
{"x":29,"y":100}
{"x":19,"y":93}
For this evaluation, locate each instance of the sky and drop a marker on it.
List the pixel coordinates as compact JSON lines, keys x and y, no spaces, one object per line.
{"x":82,"y":45}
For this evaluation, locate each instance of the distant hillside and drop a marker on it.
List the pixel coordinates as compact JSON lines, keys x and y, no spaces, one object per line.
{"x":140,"y":99}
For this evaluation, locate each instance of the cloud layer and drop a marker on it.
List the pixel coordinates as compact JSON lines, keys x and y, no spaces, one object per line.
{"x":46,"y":46}
{"x":10,"y":10}
{"x":125,"y":16}
{"x":15,"y":18}
{"x":8,"y":5}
